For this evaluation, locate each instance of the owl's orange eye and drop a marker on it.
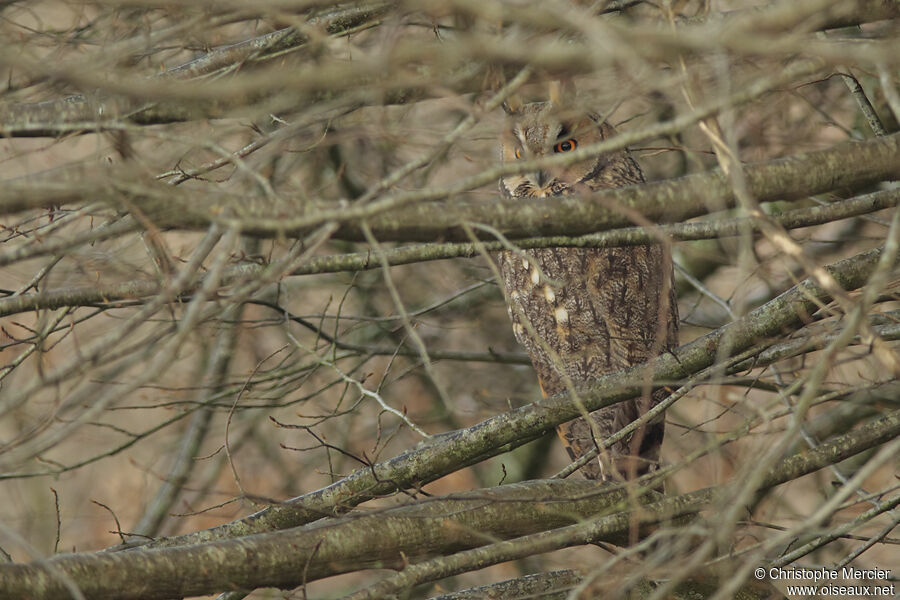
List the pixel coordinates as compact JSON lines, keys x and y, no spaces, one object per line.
{"x":566,"y":146}
{"x":518,"y":153}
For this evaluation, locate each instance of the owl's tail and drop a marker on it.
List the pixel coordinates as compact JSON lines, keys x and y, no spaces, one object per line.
{"x":626,"y":459}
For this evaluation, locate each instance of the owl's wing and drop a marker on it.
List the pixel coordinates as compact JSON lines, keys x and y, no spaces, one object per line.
{"x":581,"y":313}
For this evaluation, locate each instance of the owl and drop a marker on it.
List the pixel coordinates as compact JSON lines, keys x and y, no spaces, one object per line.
{"x":583,"y":312}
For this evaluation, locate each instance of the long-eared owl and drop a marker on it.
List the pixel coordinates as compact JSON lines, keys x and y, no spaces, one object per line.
{"x":583,"y":312}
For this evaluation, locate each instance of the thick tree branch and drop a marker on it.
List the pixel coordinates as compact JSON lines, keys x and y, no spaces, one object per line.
{"x":448,"y":452}
{"x":79,"y":113}
{"x":415,"y":216}
{"x":541,"y":585}
{"x":840,"y":448}
{"x":782,"y":179}
{"x":551,"y":513}
{"x":846,"y":165}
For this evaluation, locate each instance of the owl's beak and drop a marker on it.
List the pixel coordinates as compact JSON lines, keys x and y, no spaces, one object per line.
{"x":542,"y":178}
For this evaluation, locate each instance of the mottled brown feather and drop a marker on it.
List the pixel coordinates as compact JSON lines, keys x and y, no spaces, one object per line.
{"x":588,"y":311}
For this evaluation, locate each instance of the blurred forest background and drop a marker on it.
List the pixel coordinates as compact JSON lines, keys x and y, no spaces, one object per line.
{"x":246,"y":253}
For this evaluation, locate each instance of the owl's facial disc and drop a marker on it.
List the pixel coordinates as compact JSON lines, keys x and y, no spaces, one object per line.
{"x":536,"y":136}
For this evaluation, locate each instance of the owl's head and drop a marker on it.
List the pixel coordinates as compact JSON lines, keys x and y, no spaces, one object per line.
{"x":542,"y":129}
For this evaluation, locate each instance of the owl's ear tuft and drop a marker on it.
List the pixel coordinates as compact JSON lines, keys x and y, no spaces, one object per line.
{"x":561,"y":92}
{"x":513,"y":104}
